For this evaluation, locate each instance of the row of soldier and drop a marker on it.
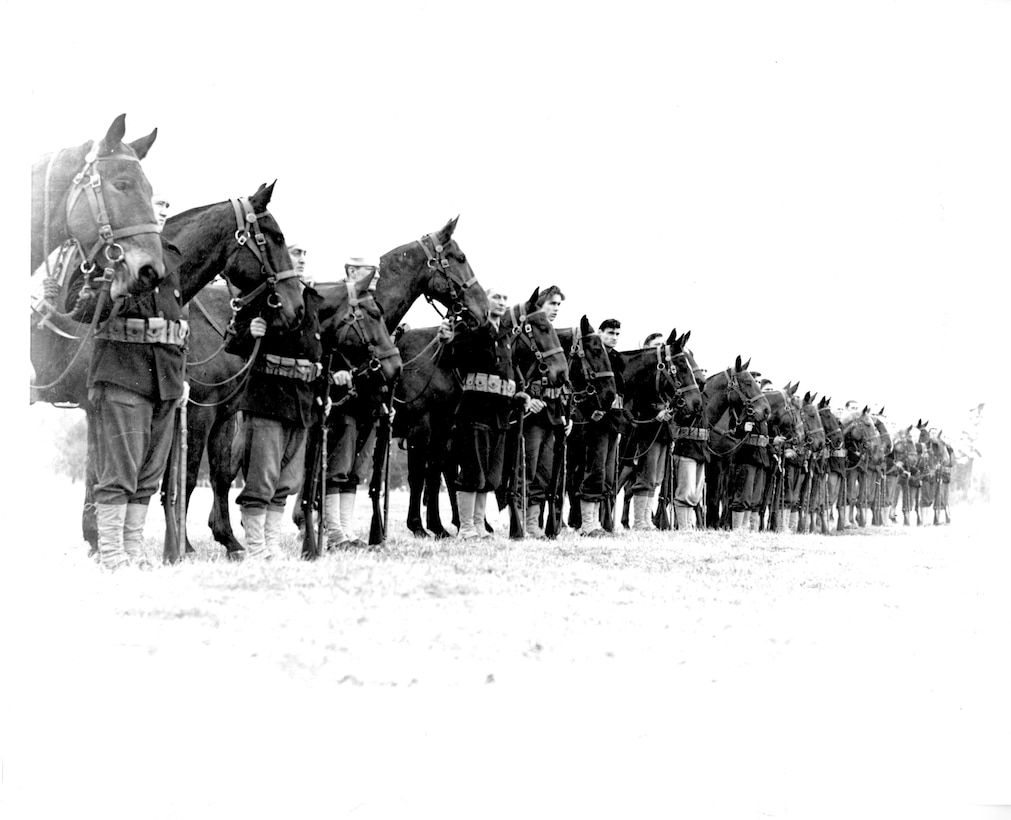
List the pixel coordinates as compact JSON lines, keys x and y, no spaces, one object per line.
{"x":136,"y":387}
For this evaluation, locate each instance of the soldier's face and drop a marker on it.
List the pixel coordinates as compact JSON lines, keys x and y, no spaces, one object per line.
{"x":161,"y":209}
{"x":497,"y":304}
{"x":298,"y":259}
{"x":610,"y":337}
{"x":552,"y":306}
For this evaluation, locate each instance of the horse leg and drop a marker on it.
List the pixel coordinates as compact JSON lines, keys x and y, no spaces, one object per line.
{"x":196,"y":441}
{"x":224,"y":466}
{"x":433,"y":489}
{"x":417,"y":446}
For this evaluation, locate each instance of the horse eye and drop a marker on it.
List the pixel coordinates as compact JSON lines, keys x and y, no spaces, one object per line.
{"x":123,"y":185}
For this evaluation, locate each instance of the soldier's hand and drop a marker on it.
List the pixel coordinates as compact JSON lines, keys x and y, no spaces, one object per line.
{"x":328,"y":406}
{"x":342,"y":378}
{"x":445,"y":330}
{"x":779,"y":440}
{"x":617,"y":404}
{"x":749,"y":426}
{"x":258,"y":327}
{"x":596,"y":415}
{"x":535,"y":406}
{"x":665,"y":414}
{"x":568,"y":427}
{"x":185,"y":397}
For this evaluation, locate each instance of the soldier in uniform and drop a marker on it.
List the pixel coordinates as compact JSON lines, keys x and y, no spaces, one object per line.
{"x":541,"y":427}
{"x":161,"y":209}
{"x":277,"y":410}
{"x":351,"y":433}
{"x":599,"y":437}
{"x":298,"y":253}
{"x":135,"y":383}
{"x":750,"y":466}
{"x":490,"y":390}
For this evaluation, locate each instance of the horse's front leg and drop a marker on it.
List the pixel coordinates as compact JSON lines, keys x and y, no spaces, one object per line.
{"x":416,"y":471}
{"x":223,"y":463}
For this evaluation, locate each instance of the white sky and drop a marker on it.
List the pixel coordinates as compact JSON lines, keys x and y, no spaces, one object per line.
{"x":822,"y":187}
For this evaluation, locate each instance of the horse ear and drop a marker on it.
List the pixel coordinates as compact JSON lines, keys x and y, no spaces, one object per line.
{"x":807,"y":397}
{"x":585,"y":328}
{"x":362,"y":285}
{"x":881,"y":412}
{"x":865,"y":411}
{"x":447,"y":232}
{"x":143,"y":145}
{"x":532,"y":303}
{"x":114,"y":136}
{"x":814,"y":395}
{"x":673,"y":337}
{"x":684,"y":341}
{"x":746,"y":365}
{"x":261,"y":198}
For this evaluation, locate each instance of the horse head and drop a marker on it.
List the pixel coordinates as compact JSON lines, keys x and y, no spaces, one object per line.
{"x":829,"y":421}
{"x":687,"y":393}
{"x":354,"y":327}
{"x":97,"y":196}
{"x":746,"y":392}
{"x":537,"y":352}
{"x":814,"y":430}
{"x":590,"y":370}
{"x":785,"y":416}
{"x":448,"y":278}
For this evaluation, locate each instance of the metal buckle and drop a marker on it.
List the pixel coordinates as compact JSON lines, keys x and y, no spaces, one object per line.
{"x":115,"y":259}
{"x":274,"y":301}
{"x":105,"y":233}
{"x":241,"y":236}
{"x":260,"y":239}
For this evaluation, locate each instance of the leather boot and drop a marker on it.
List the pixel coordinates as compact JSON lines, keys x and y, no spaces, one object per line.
{"x":335,"y":537}
{"x":133,"y":535}
{"x":737,"y":520}
{"x":590,"y":512}
{"x":111,"y":518}
{"x":481,"y":515}
{"x":640,"y":512}
{"x":465,"y":503}
{"x":272,"y":531}
{"x":533,"y":522}
{"x":253,"y":521}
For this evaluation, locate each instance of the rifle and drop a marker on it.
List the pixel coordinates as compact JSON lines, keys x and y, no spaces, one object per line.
{"x":381,"y":473}
{"x":610,"y":497}
{"x":517,"y":484}
{"x":315,"y":469}
{"x":556,"y":496}
{"x":183,"y":458}
{"x":662,"y":520}
{"x":169,"y":490}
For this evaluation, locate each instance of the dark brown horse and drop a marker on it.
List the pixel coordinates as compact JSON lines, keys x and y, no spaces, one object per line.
{"x":735,"y":396}
{"x":434,"y":267}
{"x":427,"y":397}
{"x":205,"y":239}
{"x":93,"y":203}
{"x":864,"y":453}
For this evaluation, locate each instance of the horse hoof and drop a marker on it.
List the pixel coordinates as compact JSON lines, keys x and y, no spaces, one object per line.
{"x":442,"y":534}
{"x":419,"y":532}
{"x":236,"y":555}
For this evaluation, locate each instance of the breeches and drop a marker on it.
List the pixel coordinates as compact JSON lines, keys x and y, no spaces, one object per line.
{"x":539,"y":443}
{"x":691,"y":481}
{"x":273,"y":461}
{"x":599,"y":461}
{"x":132,"y":443}
{"x":647,"y":471}
{"x":350,"y":445}
{"x":793,"y":486}
{"x":747,"y":483}
{"x":481,"y":456}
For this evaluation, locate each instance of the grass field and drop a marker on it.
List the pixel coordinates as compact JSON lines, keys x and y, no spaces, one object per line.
{"x":720,"y":674}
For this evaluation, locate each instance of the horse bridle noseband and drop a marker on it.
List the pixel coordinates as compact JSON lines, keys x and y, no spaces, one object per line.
{"x":353,"y":320}
{"x":522,"y":329}
{"x":664,"y":365}
{"x":437,"y":261}
{"x":734,"y":383}
{"x":245,"y":219}
{"x":590,"y":390}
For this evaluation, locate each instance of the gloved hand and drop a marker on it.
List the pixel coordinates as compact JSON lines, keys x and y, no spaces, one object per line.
{"x":779,"y":440}
{"x":535,"y":406}
{"x":445,"y":330}
{"x":258,"y":327}
{"x":342,"y":378}
{"x":185,"y":397}
{"x":665,"y":414}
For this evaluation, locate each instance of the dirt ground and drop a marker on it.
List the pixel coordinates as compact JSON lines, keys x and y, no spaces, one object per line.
{"x":716,"y":675}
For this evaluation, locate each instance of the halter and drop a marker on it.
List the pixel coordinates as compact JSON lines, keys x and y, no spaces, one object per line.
{"x":664,"y":365}
{"x":522,"y":328}
{"x":734,"y":383}
{"x":246,"y":218}
{"x":354,"y":320}
{"x":590,"y":375}
{"x":93,"y":191}
{"x":816,"y":427}
{"x":437,"y":261}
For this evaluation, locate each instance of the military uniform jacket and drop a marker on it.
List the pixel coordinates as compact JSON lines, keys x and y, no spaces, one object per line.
{"x":286,"y":399}
{"x":755,"y":454}
{"x":153,"y":370}
{"x":489,"y":351}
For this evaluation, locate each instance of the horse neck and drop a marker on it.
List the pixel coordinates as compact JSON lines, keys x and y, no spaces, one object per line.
{"x":400,"y":285}
{"x":203,"y":237}
{"x":715,"y":401}
{"x":60,"y":177}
